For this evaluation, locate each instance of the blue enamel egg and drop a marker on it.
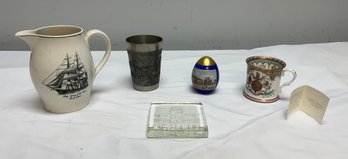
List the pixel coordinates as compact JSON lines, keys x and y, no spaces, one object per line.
{"x":205,"y":75}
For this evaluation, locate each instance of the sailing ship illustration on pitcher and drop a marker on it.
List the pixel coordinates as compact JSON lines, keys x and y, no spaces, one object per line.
{"x":69,"y":77}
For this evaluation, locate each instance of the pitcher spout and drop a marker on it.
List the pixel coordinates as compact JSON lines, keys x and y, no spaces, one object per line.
{"x":29,"y":36}
{"x":25,"y":33}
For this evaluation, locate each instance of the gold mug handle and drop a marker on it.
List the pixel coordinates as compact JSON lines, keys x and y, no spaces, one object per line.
{"x":95,"y":32}
{"x":294,"y":75}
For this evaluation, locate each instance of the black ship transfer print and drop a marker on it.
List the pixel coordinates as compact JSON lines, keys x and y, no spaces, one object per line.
{"x":69,"y":77}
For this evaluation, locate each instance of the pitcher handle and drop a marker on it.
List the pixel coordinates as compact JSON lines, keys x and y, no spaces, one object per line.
{"x":294,"y":75}
{"x":95,"y":32}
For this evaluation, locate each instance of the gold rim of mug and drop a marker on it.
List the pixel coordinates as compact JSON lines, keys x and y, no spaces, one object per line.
{"x":281,"y":62}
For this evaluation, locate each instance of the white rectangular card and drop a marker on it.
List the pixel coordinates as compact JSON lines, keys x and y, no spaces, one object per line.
{"x":310,"y":101}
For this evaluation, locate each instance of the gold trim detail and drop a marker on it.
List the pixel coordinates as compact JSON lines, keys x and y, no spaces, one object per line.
{"x":281,"y":62}
{"x":206,"y":61}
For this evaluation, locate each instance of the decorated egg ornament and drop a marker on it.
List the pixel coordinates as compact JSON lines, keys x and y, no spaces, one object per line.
{"x":205,"y":75}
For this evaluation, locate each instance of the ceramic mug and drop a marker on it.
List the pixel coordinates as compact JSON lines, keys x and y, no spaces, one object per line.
{"x":263,"y":78}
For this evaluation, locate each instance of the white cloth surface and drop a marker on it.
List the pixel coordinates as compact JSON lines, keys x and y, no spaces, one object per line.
{"x":114,"y":124}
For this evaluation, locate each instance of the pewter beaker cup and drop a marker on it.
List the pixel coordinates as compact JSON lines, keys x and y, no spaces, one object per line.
{"x":144,"y":53}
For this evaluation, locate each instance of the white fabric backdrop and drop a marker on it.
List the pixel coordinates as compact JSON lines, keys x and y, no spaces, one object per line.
{"x":113,"y":125}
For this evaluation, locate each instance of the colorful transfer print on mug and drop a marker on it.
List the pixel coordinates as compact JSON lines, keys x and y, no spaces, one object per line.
{"x":263,"y":78}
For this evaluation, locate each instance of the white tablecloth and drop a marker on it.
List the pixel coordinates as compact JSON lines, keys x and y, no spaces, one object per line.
{"x":114,"y":124}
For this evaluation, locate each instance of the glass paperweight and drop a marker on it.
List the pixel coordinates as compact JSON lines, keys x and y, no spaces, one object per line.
{"x":177,"y":120}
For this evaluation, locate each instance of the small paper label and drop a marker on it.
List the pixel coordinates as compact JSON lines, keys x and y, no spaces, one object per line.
{"x":310,"y":101}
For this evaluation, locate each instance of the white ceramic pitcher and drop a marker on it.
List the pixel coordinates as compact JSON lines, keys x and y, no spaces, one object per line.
{"x":61,"y":65}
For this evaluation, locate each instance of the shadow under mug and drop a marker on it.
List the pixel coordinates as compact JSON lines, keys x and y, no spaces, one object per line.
{"x":263,"y":78}
{"x":144,"y":54}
